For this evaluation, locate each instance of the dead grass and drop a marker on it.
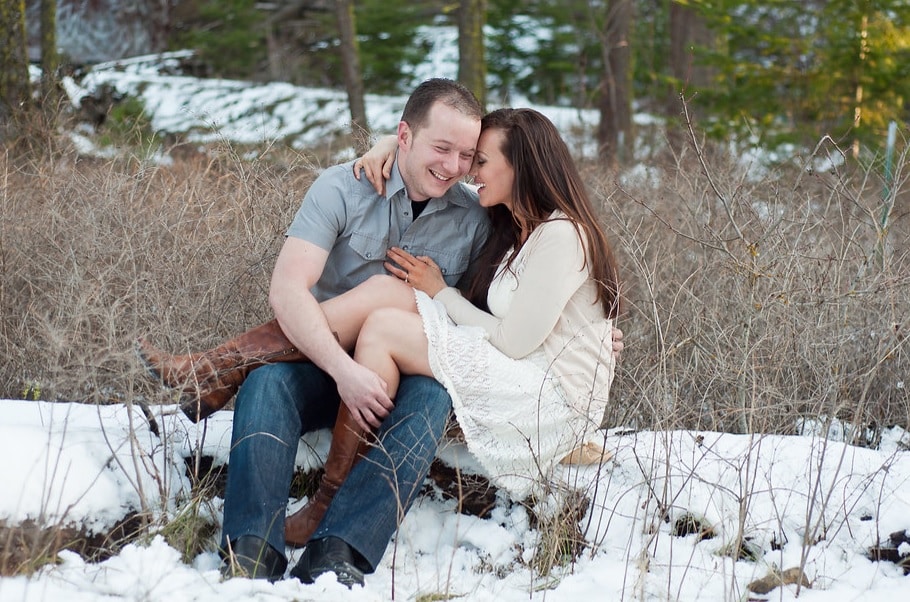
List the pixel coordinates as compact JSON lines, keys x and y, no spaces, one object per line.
{"x":29,"y":545}
{"x":96,"y":252}
{"x":754,"y":301}
{"x":751,"y":301}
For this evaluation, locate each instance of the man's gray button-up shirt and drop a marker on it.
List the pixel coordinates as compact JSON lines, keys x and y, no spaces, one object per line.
{"x":346,"y":217}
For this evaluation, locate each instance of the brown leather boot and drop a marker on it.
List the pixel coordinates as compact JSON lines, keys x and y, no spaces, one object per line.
{"x":211,"y":378}
{"x":349,"y":443}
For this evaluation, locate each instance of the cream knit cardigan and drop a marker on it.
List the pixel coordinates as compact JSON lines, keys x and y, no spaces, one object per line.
{"x":554,"y":307}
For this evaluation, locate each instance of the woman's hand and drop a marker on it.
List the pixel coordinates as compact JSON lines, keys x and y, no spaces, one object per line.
{"x":377,"y":162}
{"x":618,"y":344}
{"x":420,"y":272}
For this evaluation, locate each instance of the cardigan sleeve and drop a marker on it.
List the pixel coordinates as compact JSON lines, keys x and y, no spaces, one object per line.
{"x":553,"y":272}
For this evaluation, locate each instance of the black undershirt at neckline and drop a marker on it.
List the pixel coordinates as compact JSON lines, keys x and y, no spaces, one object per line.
{"x":417,"y":207}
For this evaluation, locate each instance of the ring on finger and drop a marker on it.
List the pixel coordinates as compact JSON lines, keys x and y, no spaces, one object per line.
{"x":406,"y":276}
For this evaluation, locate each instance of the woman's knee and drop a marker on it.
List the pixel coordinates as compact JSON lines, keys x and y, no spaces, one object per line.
{"x":380,"y":280}
{"x":380,"y":327}
{"x":390,"y":288}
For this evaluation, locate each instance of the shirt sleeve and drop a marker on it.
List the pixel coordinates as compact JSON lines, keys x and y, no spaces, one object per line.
{"x":323,"y":214}
{"x":553,"y":273}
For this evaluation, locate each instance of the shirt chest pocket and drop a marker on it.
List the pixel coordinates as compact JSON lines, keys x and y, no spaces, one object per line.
{"x":452,"y":264}
{"x":369,"y":247}
{"x":372,"y":248}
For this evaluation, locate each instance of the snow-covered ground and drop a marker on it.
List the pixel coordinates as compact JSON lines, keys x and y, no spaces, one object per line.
{"x":800,"y":501}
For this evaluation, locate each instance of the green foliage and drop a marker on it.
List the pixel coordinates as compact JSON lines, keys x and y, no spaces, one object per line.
{"x":782,"y":71}
{"x":388,"y":46}
{"x":801,"y":70}
{"x":230,"y":38}
{"x":128,"y":126}
{"x":508,"y":52}
{"x":228,"y":34}
{"x":31,"y":391}
{"x":548,"y":50}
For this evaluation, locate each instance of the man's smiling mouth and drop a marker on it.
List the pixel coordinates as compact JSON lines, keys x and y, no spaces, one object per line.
{"x":439,"y":176}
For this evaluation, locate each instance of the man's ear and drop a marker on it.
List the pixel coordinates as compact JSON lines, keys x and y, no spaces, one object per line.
{"x":405,"y":135}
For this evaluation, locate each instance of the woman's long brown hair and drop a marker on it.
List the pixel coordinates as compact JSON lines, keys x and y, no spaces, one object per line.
{"x":546,"y":179}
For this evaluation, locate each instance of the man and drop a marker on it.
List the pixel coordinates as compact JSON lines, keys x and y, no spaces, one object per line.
{"x":338,"y":239}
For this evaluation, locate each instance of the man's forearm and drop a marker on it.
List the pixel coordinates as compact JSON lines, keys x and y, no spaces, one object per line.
{"x":305,"y":325}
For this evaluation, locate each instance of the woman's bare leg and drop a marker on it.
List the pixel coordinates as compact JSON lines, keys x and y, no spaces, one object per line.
{"x":347,"y":312}
{"x":388,"y":338}
{"x":392,"y":342}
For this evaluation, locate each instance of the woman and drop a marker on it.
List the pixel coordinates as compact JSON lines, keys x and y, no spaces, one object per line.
{"x":527,"y":357}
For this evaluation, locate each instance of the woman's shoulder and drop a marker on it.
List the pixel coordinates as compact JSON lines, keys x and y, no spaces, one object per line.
{"x":559,"y":225}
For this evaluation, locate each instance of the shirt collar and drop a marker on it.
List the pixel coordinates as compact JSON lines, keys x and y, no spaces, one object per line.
{"x":395,"y":183}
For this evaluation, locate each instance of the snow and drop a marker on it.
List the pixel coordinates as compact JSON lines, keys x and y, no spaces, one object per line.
{"x":89,"y":466}
{"x":218,"y":110}
{"x":808,"y":501}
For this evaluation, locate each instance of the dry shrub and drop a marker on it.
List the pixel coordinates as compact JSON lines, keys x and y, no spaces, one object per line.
{"x":95,"y":252}
{"x":27,"y":546}
{"x":750,"y":300}
{"x":561,"y":539}
{"x":753,"y":301}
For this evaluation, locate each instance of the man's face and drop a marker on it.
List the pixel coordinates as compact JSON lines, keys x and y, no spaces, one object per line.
{"x":438,"y":154}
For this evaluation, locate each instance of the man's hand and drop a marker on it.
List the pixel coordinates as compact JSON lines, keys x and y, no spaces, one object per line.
{"x":377,"y":163}
{"x":365,"y":394}
{"x":617,"y":343}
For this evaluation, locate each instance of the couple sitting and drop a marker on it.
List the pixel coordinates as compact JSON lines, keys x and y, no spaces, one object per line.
{"x":400,"y":306}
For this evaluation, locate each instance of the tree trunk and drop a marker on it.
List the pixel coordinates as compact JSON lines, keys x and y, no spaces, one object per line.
{"x":49,"y":59}
{"x":614,"y":134}
{"x":858,"y":91}
{"x":687,"y":30}
{"x":472,"y":68}
{"x":353,"y":78}
{"x":14,"y":83}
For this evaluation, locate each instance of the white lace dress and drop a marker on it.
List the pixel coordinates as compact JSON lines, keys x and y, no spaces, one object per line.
{"x":514,"y":414}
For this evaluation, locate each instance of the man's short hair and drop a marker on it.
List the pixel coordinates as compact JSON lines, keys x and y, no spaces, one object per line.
{"x":446,"y":91}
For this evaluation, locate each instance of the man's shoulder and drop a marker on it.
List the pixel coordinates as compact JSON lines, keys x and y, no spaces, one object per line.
{"x":340,"y":172}
{"x":340,"y":177}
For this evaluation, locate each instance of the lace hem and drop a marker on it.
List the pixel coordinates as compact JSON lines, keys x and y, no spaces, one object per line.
{"x":514,"y":416}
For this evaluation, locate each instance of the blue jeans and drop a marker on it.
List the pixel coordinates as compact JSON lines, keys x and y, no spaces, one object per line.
{"x":280,"y":402}
{"x":374,"y":498}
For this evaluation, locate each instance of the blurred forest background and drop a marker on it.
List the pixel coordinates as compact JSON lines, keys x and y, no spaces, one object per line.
{"x":774,"y":71}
